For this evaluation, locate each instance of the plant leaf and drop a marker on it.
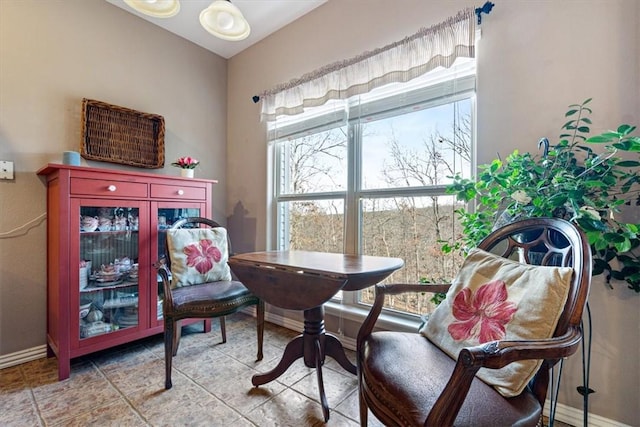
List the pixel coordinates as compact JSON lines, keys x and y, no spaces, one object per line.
{"x":628,"y":163}
{"x":628,"y":145}
{"x":623,"y":246}
{"x":600,"y":139}
{"x":613,"y":238}
{"x":599,"y":266}
{"x":626,"y":129}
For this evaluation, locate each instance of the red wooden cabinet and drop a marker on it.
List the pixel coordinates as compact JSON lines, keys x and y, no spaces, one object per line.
{"x":105,"y":232}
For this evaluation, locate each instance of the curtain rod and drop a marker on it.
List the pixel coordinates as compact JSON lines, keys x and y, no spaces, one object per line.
{"x":486,"y":8}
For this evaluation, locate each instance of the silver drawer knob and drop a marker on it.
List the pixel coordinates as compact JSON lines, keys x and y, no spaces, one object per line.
{"x":180,"y":192}
{"x":111,"y":188}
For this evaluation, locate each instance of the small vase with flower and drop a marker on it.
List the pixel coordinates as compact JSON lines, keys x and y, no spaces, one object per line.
{"x":187,"y":166}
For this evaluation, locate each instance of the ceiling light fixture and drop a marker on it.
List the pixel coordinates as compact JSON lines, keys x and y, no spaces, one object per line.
{"x":224,"y":20}
{"x":156,"y":8}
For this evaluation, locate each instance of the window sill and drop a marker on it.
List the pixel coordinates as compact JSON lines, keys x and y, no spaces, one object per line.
{"x":387,"y":321}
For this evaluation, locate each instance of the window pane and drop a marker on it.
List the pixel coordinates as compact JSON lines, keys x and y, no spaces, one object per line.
{"x":315,"y":225}
{"x":411,"y":228}
{"x":417,"y":148}
{"x":314,"y":163}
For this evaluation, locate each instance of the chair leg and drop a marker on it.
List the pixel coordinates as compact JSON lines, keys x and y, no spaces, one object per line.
{"x":169,"y":327}
{"x":363,"y":406}
{"x":363,"y":411}
{"x":223,"y":329}
{"x":260,"y":326}
{"x":177,"y":332}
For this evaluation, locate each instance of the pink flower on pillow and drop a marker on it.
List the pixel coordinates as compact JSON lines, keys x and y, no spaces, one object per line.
{"x":482,"y":316}
{"x":202,"y":255}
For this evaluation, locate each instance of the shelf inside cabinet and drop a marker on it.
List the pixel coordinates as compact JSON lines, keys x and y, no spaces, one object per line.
{"x":126,"y":231}
{"x":115,"y":285}
{"x":120,"y":301}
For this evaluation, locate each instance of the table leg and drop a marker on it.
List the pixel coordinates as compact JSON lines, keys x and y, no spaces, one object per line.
{"x":329,"y":344}
{"x":317,"y":345}
{"x":333,"y":347}
{"x":293,"y":351}
{"x":313,"y":345}
{"x":314,"y":337}
{"x":323,"y":396}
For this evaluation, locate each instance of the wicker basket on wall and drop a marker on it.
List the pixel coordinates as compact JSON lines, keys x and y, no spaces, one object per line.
{"x":121,"y":135}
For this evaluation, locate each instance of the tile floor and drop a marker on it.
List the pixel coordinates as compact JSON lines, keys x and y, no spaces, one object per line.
{"x":124,"y":386}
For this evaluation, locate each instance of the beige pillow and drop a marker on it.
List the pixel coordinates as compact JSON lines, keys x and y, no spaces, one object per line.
{"x":198,"y":255}
{"x":494,"y":298}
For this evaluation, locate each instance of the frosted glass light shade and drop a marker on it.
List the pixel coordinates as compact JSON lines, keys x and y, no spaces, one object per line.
{"x":224,"y":20}
{"x":156,"y":8}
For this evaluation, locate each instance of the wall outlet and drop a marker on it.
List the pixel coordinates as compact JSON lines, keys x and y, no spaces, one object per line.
{"x":6,"y":169}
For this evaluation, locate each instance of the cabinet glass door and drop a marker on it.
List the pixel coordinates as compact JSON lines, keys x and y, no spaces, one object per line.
{"x":109,"y":289}
{"x":167,"y":214}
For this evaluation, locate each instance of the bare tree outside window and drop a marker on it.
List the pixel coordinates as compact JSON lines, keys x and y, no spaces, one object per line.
{"x":315,"y":163}
{"x":413,"y":228}
{"x":316,"y":225}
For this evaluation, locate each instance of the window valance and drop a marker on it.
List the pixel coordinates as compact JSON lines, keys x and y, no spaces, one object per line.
{"x":401,"y":61}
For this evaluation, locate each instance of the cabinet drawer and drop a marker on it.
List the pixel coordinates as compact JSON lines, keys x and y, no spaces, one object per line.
{"x":100,"y":187}
{"x":160,"y":191}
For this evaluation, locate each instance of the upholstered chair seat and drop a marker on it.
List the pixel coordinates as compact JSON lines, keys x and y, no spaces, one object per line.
{"x":189,"y":298}
{"x":419,"y":371}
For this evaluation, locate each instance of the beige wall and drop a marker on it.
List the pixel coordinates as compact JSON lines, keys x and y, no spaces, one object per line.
{"x":535,"y":58}
{"x":52,"y":54}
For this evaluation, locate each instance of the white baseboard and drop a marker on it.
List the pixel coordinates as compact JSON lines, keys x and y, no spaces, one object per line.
{"x":575,"y":417}
{"x":23,"y":356}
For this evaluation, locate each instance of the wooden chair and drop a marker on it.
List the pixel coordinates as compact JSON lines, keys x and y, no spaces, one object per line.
{"x":404,"y":379}
{"x":202,"y":301}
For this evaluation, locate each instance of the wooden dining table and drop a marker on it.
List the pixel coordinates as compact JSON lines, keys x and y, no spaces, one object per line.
{"x":304,"y":280}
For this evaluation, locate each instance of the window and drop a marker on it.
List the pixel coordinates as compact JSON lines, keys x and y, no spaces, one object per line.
{"x":368,"y":175}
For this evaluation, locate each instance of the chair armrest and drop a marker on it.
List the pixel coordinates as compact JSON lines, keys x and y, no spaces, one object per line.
{"x":393,"y":289}
{"x":168,"y":296}
{"x":498,"y":354}
{"x":494,"y":355}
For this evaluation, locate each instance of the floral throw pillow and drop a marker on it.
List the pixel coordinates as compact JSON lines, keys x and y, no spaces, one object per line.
{"x":198,"y":255}
{"x":494,"y":298}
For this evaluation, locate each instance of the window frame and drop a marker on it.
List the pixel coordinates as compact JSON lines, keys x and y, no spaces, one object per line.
{"x":446,"y":87}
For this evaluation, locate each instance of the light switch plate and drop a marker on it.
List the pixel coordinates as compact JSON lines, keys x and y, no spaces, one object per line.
{"x":6,"y":169}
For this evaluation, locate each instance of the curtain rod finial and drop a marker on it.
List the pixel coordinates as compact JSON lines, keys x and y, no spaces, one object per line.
{"x":255,"y":99}
{"x":486,"y":8}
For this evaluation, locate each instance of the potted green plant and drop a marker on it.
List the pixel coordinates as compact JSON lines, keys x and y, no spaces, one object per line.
{"x":587,"y":185}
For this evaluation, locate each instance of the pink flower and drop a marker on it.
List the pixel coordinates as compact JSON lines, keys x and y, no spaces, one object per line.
{"x":483,"y":316}
{"x":202,"y":255}
{"x":186,"y":163}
